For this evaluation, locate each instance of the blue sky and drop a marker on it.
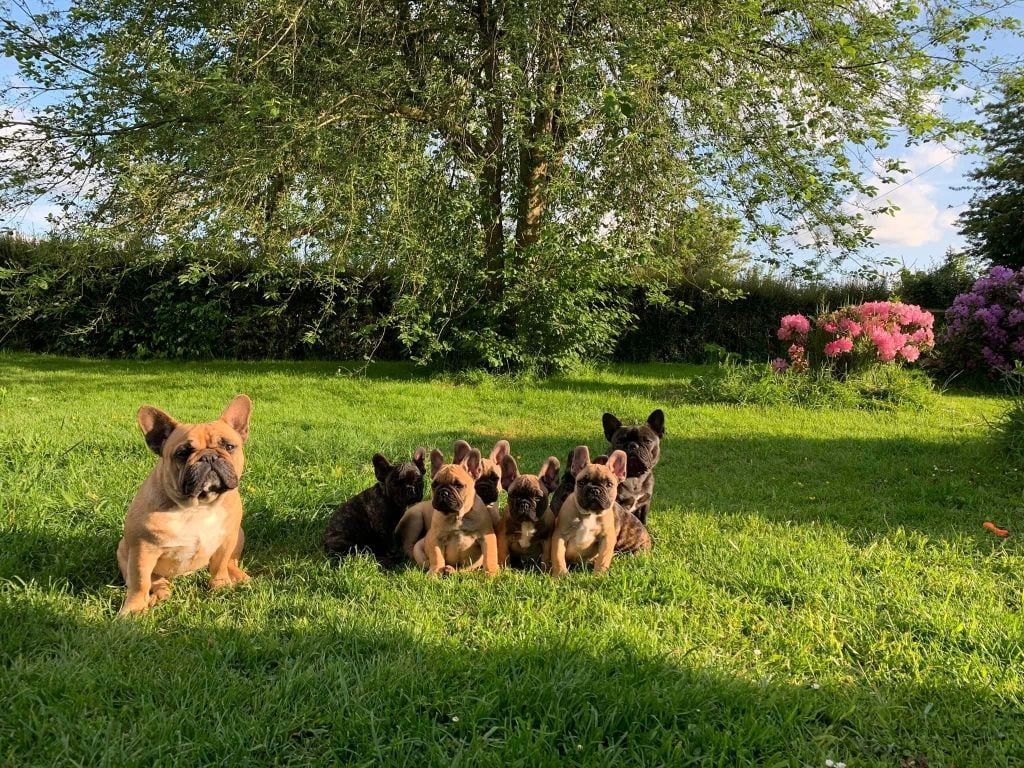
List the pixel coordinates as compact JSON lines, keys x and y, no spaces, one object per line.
{"x":928,"y":197}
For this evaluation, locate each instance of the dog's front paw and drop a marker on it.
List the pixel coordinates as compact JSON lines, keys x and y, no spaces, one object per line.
{"x":221,"y":582}
{"x":133,"y":607}
{"x":238,"y":576}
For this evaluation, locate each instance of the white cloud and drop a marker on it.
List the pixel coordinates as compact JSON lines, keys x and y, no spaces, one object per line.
{"x":919,"y":221}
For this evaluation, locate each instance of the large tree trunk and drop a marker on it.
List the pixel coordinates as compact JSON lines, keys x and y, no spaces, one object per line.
{"x":492,"y":174}
{"x":541,"y":148}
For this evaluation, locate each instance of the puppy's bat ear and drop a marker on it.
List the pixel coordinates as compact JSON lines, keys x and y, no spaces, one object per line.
{"x":381,"y":467}
{"x":580,"y":459}
{"x":656,"y":421}
{"x":237,"y":415}
{"x":610,"y":424}
{"x":462,"y":449}
{"x":509,"y":471}
{"x":549,"y":473}
{"x":418,"y":458}
{"x":617,"y":464}
{"x":500,"y":450}
{"x":156,"y":426}
{"x":436,"y":461}
{"x":474,"y":463}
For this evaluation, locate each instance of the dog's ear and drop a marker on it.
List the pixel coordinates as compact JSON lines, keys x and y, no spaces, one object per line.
{"x":617,"y":464}
{"x":610,"y":424}
{"x":500,"y":450}
{"x":436,"y":461}
{"x":656,"y":421}
{"x":580,"y":459}
{"x":381,"y":467}
{"x":509,"y":470}
{"x":474,"y":463}
{"x":602,"y":459}
{"x":237,"y":415}
{"x":156,"y":426}
{"x":418,"y":458}
{"x":462,"y":449}
{"x":549,"y":473}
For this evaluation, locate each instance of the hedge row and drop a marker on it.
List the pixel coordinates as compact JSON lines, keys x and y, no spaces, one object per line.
{"x":68,"y":299}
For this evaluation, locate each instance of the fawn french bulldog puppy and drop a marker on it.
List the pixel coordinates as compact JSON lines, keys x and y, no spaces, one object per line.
{"x":367,"y":521}
{"x":488,"y":476}
{"x":524,"y":531}
{"x":460,"y":535}
{"x":591,"y":526}
{"x":642,"y":446}
{"x":188,"y":513}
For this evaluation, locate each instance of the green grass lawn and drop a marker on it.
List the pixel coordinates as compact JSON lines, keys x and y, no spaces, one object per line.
{"x":820,"y":585}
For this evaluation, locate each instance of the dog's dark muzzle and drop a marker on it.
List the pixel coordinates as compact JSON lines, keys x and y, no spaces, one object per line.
{"x":446,"y":500}
{"x":487,"y":490}
{"x":638,"y":460}
{"x":526,"y":509}
{"x":594,"y":500}
{"x":210,"y":473}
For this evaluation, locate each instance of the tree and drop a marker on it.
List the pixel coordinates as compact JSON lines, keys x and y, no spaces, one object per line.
{"x":994,"y":219}
{"x":517,"y":164}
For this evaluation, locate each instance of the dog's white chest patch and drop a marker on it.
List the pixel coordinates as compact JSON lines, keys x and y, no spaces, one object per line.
{"x":526,"y":535}
{"x":199,"y":535}
{"x":585,"y":534}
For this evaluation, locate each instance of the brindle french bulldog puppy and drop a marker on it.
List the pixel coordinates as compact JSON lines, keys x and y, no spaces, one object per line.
{"x":461,"y":534}
{"x":524,"y":531}
{"x":642,"y":446}
{"x":367,"y":521}
{"x":489,"y":477}
{"x":188,"y":513}
{"x":586,"y":529}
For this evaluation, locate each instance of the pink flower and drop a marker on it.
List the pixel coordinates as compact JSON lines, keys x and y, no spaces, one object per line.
{"x":793,"y":325}
{"x":851,"y":327}
{"x":779,"y":365}
{"x":910,"y":354}
{"x":838,"y":347}
{"x":795,"y":351}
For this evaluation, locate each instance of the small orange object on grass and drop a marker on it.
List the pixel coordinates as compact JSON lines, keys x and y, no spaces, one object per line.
{"x":996,"y":530}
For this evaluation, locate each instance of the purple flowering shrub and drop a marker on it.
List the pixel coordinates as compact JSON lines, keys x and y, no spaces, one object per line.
{"x":985,"y":327}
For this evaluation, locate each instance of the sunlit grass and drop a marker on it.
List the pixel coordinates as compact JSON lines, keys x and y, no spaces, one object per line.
{"x":820,"y":585}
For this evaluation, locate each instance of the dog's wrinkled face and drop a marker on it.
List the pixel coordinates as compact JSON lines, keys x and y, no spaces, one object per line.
{"x":597,"y":484}
{"x":528,"y":494}
{"x":199,"y":461}
{"x":402,"y":483}
{"x":641,"y":442}
{"x":453,"y":491}
{"x":488,"y":477}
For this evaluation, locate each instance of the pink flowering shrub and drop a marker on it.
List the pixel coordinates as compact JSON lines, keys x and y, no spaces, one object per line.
{"x":985,"y":327}
{"x":857,"y":336}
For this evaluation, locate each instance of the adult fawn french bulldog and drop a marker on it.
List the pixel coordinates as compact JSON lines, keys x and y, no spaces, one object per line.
{"x":188,"y":513}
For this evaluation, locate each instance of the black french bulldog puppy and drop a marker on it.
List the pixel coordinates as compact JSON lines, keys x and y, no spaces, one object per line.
{"x":642,"y":444}
{"x":366,"y":522}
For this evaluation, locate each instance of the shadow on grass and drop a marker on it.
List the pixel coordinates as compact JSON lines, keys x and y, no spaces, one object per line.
{"x":310,"y":689}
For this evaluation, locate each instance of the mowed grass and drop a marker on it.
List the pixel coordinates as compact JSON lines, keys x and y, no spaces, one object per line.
{"x":820,"y":587}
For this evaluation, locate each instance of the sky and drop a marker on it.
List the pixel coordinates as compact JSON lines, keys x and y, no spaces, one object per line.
{"x":929,"y":197}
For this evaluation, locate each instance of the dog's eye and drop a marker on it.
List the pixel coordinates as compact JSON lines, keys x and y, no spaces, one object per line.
{"x":183,"y":452}
{"x":458,"y":485}
{"x":229,"y":447}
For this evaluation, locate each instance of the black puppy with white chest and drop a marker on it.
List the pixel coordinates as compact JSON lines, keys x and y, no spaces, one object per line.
{"x":366,"y":522}
{"x":642,"y":445}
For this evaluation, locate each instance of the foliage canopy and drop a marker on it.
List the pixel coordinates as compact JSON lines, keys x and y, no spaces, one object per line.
{"x":522,"y":165}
